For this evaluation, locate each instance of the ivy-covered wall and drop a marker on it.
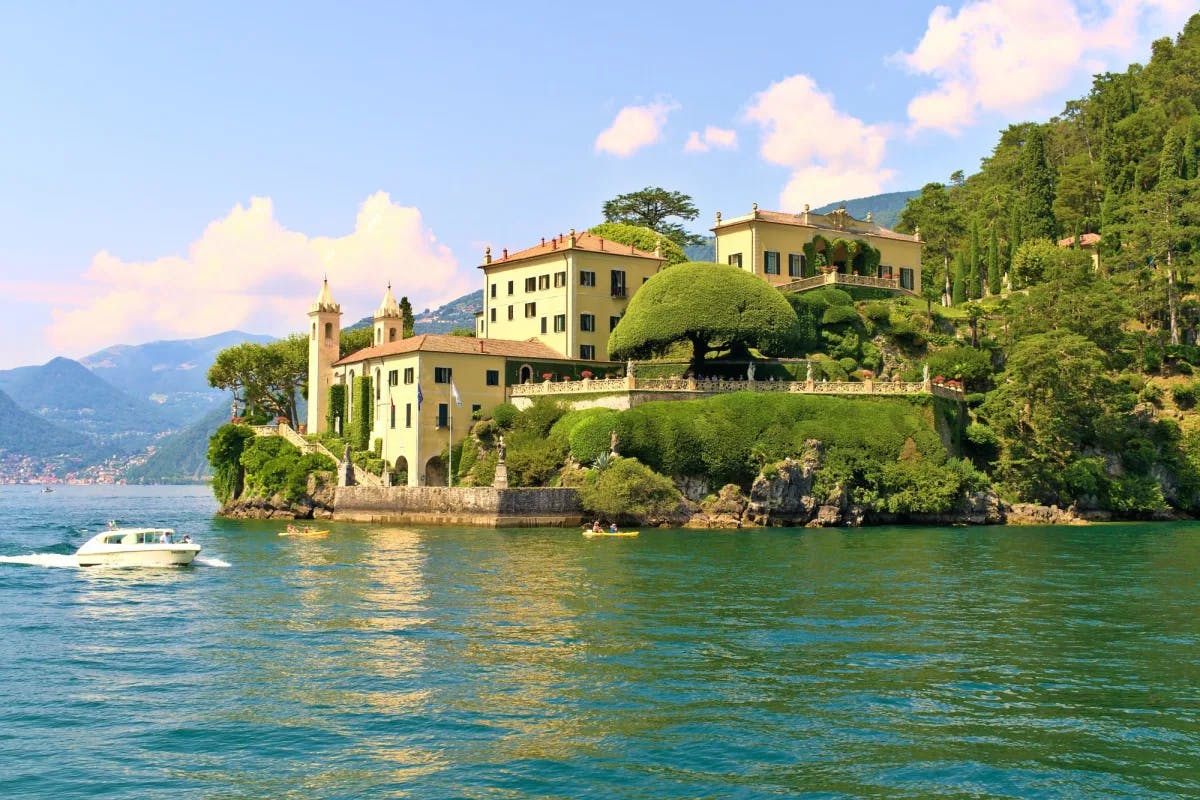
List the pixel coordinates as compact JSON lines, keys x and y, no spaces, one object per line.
{"x":336,"y":407}
{"x":364,"y":416}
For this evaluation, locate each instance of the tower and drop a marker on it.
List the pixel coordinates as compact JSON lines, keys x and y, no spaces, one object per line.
{"x":325,"y":320}
{"x":389,"y":325}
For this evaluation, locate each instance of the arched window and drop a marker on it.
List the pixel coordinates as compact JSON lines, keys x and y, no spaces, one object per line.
{"x":391,"y":334}
{"x":314,"y":332}
{"x":377,"y":383}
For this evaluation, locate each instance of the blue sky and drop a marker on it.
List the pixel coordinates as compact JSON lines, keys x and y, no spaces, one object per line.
{"x":173,"y":170}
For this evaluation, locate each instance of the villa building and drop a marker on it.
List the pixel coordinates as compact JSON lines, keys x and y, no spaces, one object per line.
{"x":783,"y":248}
{"x":568,"y":292}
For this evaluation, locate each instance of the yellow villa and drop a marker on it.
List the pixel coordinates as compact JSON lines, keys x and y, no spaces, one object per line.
{"x":783,"y":248}
{"x":423,"y":389}
{"x":567,"y":292}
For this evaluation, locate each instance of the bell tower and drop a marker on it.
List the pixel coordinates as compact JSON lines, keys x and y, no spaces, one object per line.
{"x":389,"y":325}
{"x":325,"y":328}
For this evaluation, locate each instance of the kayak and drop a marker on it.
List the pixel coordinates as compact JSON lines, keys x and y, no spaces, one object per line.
{"x":303,"y":532}
{"x":610,"y":533}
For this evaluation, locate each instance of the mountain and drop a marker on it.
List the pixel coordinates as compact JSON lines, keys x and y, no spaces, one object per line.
{"x":181,"y":457}
{"x":702,"y":252}
{"x":26,"y":434}
{"x":172,"y":375}
{"x":65,"y":393}
{"x":884,"y":208}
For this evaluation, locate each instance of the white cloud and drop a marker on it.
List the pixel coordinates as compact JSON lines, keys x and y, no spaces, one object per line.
{"x":1006,"y":56}
{"x":633,"y":128}
{"x":832,"y":155}
{"x":248,"y":271}
{"x":722,"y":138}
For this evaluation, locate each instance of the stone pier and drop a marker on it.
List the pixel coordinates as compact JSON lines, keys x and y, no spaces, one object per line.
{"x":475,"y":506}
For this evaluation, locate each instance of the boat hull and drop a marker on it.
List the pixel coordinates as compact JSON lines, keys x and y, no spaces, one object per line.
{"x":591,"y":534}
{"x":167,"y":555}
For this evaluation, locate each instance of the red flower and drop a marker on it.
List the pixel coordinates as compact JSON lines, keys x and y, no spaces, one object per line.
{"x":587,"y":373}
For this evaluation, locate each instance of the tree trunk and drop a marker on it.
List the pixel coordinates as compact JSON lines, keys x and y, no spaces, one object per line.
{"x":1172,"y":305}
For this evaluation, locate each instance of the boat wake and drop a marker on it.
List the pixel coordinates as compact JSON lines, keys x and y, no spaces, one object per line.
{"x":42,"y":560}
{"x":209,"y":561}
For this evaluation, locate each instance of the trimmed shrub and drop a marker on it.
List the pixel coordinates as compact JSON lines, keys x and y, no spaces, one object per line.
{"x":335,"y":414}
{"x":1184,"y":396}
{"x":505,"y":414}
{"x":628,"y":490}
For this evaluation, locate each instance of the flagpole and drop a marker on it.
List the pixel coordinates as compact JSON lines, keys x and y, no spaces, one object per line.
{"x":450,"y":447}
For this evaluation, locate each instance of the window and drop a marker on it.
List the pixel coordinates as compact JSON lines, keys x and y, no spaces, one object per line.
{"x":530,"y":310}
{"x":393,"y":377}
{"x":587,"y":278}
{"x":795,"y":265}
{"x":543,"y":281}
{"x":392,"y":419}
{"x":735,"y":260}
{"x":378,"y":382}
{"x":441,"y":374}
{"x":443,"y":415}
{"x":543,"y":326}
{"x":587,"y":351}
{"x":493,"y":315}
{"x":906,"y":278}
{"x":531,"y":284}
{"x":560,"y":279}
{"x":560,"y":323}
{"x":510,"y":312}
{"x":493,"y":290}
{"x":408,"y":415}
{"x":771,"y":262}
{"x":493,"y":377}
{"x":612,"y":323}
{"x":510,"y":289}
{"x":587,"y":322}
{"x":408,"y":374}
{"x":617,"y":283}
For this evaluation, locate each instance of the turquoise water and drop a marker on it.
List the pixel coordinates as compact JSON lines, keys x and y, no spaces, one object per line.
{"x":454,"y":663}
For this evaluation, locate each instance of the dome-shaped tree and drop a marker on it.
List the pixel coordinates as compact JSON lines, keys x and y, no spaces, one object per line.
{"x":713,"y":306}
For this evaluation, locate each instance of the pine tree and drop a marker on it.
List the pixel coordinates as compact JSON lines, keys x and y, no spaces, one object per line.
{"x":959,"y":295}
{"x":993,"y":273}
{"x":1037,"y":188}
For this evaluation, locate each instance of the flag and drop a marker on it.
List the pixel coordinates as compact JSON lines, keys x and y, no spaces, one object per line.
{"x":420,"y":397}
{"x":454,"y":394}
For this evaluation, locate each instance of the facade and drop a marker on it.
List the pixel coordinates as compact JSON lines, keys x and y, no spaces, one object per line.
{"x":567,"y":293}
{"x":325,"y":321}
{"x":781,"y":248}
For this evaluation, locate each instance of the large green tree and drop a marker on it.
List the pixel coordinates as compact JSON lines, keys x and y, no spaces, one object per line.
{"x":1037,"y":188}
{"x":268,"y":377}
{"x":710,"y":306}
{"x":654,"y":207}
{"x":942,"y":228}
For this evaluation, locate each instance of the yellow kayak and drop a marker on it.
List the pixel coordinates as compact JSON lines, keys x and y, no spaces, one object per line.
{"x":303,"y":532}
{"x":610,"y":533}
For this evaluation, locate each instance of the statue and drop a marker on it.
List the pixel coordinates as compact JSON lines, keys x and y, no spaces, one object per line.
{"x":501,"y":449}
{"x":612,"y":443}
{"x":810,"y":376}
{"x":750,"y":372}
{"x":629,"y":368}
{"x":925,"y":374}
{"x":346,"y":454}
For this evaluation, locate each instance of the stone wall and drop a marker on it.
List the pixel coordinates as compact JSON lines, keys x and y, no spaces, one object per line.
{"x":476,"y":506}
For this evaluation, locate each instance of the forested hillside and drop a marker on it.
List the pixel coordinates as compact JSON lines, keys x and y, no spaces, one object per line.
{"x":1070,"y":261}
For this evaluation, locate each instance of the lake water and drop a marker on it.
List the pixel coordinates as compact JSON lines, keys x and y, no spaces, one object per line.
{"x":381,"y":662}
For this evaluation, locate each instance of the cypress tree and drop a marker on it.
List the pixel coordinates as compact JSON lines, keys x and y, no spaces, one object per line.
{"x":974,"y":263}
{"x":959,"y":292}
{"x":993,"y":273}
{"x":406,"y":316}
{"x":1037,"y":188}
{"x":1171,"y":162}
{"x":1191,"y":156}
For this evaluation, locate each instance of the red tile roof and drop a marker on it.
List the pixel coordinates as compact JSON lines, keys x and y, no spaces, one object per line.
{"x":848,"y":226}
{"x":583,"y":241}
{"x":1087,"y":240}
{"x":444,"y":343}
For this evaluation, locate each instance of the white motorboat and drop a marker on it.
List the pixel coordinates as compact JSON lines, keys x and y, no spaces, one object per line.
{"x":137,"y":547}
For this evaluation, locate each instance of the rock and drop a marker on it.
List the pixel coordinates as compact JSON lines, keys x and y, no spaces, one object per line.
{"x":1034,"y":514}
{"x":827,"y":516}
{"x":782,"y":495}
{"x":692,"y":487}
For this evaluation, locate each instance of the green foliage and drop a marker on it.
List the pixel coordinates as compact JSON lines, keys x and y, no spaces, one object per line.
{"x":225,"y":450}
{"x":269,"y":377}
{"x":967,"y":364}
{"x":923,"y":486}
{"x":505,"y":414}
{"x":878,"y":312}
{"x":364,"y":417}
{"x":642,"y":238}
{"x":406,"y":317}
{"x":710,"y":306}
{"x":1037,"y":188}
{"x":591,"y":437}
{"x":354,"y":339}
{"x":1185,"y":395}
{"x":628,"y":490}
{"x":335,"y":413}
{"x":273,"y":466}
{"x":839,"y":315}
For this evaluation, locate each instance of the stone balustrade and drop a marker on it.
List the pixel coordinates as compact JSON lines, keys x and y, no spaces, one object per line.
{"x":842,"y":279}
{"x":721,"y":386}
{"x":361,"y":476}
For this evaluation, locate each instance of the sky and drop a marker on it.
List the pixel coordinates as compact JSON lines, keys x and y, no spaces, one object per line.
{"x":173,"y":170}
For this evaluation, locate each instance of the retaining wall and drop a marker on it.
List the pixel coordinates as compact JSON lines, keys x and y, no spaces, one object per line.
{"x":476,"y":506}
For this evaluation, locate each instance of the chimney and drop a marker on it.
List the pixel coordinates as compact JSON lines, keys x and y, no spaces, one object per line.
{"x":571,"y":241}
{"x":718,"y":217}
{"x":601,"y":242}
{"x":487,"y":255}
{"x":543,"y":241}
{"x":505,"y":253}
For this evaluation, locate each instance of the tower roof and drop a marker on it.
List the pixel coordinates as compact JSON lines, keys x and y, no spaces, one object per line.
{"x":388,"y":307}
{"x":324,"y":301}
